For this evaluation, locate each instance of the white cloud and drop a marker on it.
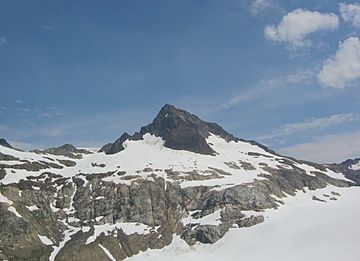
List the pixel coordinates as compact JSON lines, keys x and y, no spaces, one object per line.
{"x":350,"y":13}
{"x":260,"y":5}
{"x":45,"y":114}
{"x":344,"y":67}
{"x":329,"y":148}
{"x":2,"y":40}
{"x":320,"y":123}
{"x":298,"y":24}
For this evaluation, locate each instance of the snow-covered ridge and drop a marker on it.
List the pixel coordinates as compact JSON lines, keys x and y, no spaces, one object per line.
{"x":30,"y":156}
{"x":235,"y":162}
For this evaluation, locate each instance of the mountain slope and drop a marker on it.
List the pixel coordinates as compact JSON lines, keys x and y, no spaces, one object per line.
{"x":178,"y":176}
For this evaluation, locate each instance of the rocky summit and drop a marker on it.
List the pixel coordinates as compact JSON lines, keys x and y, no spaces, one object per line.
{"x":179,"y":129}
{"x":178,"y":177}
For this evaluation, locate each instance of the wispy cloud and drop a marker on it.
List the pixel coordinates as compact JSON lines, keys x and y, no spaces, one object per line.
{"x":2,"y":40}
{"x":329,"y":148}
{"x":320,"y":123}
{"x":264,"y":87}
{"x":295,"y":27}
{"x":42,"y":112}
{"x":46,"y":27}
{"x":18,"y":101}
{"x":55,"y":111}
{"x":260,"y":5}
{"x":25,"y":110}
{"x":45,"y":114}
{"x":49,"y":112}
{"x":311,"y":124}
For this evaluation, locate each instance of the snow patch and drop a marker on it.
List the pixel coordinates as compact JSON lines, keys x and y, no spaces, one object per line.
{"x":127,"y":228}
{"x":4,"y":199}
{"x":32,"y":208}
{"x":336,"y":175}
{"x":211,"y":219}
{"x":11,"y":208}
{"x":45,"y":240}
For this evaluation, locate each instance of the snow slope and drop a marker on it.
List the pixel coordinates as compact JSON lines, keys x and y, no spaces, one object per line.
{"x":302,"y":229}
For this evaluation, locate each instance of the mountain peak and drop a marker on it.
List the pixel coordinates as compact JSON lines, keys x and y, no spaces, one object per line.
{"x":179,"y":129}
{"x":168,"y":108}
{"x":170,"y":111}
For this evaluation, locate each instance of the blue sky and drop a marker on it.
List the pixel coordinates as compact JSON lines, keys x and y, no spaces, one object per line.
{"x":285,"y":73}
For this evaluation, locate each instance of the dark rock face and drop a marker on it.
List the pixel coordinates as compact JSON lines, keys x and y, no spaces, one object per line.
{"x":184,"y":131}
{"x":112,"y":148}
{"x":180,"y":130}
{"x":4,"y":143}
{"x":209,"y":234}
